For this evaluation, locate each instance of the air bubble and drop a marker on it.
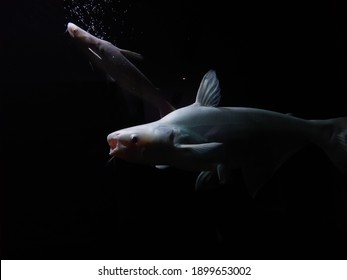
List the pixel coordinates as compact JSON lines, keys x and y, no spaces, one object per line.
{"x":100,"y":17}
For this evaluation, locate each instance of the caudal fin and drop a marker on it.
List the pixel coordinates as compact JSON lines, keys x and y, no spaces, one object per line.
{"x":336,"y":147}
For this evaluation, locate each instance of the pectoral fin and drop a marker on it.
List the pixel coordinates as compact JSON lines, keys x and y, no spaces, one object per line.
{"x":162,"y":166}
{"x":197,"y":157}
{"x":206,"y":157}
{"x":202,"y":150}
{"x":131,"y":55}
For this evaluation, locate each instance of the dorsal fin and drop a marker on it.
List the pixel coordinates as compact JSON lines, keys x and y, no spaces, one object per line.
{"x":209,"y":90}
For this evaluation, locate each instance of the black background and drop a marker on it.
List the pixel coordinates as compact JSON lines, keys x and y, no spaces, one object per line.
{"x":59,"y":200}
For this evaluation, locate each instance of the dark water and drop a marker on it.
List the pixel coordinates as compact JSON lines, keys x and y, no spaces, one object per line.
{"x":60,"y":201}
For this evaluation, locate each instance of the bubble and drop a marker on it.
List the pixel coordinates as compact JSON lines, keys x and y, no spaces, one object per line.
{"x":101,"y":18}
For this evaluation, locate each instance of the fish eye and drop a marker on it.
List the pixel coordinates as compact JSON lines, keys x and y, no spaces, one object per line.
{"x":134,"y":139}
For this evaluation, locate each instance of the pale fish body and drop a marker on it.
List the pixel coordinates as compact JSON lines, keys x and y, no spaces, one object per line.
{"x":114,"y":62}
{"x":204,"y":137}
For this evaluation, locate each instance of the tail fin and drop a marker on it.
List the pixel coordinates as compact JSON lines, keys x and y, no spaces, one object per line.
{"x":336,"y":147}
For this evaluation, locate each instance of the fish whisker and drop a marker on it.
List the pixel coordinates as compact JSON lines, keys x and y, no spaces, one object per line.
{"x":109,"y":161}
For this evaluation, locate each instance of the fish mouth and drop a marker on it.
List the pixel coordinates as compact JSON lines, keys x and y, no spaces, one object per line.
{"x":116,"y":147}
{"x":72,"y":29}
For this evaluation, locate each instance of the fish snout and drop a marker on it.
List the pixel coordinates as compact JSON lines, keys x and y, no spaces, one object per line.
{"x":82,"y":37}
{"x":72,"y":29}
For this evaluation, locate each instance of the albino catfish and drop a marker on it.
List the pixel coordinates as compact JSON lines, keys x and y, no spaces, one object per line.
{"x":206,"y":138}
{"x":114,"y":62}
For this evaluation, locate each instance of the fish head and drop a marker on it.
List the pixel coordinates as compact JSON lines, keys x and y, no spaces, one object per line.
{"x":81,"y":36}
{"x":142,"y":144}
{"x":97,"y":50}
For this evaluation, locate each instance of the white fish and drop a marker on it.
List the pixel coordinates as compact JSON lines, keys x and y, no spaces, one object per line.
{"x":113,"y":61}
{"x":206,"y":138}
